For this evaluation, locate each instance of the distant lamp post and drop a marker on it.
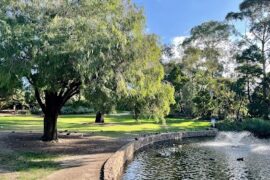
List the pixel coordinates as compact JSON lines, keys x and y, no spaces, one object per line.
{"x":213,"y":122}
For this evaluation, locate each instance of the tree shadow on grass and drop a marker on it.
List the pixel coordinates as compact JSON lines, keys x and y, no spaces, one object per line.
{"x":24,"y":152}
{"x":67,"y":145}
{"x":24,"y":161}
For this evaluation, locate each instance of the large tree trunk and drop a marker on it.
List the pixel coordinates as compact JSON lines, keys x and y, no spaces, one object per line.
{"x":50,"y":127}
{"x":53,"y":106}
{"x":99,"y":117}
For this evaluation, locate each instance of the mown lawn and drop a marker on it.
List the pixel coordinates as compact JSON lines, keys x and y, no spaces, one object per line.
{"x":115,"y":125}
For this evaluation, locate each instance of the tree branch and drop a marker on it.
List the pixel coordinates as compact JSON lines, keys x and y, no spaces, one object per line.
{"x":74,"y":88}
{"x":71,"y":95}
{"x":42,"y":105}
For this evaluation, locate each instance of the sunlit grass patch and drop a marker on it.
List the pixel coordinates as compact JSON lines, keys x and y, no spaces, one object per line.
{"x":115,"y":125}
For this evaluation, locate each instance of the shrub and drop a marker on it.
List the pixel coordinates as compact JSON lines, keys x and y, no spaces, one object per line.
{"x":258,"y":127}
{"x":76,"y":110}
{"x":36,"y":111}
{"x":228,"y":125}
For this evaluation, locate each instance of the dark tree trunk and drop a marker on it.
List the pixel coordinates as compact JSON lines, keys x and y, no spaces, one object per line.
{"x":136,"y":113}
{"x":99,"y":117}
{"x":50,"y":127}
{"x":265,"y":87}
{"x":53,"y":106}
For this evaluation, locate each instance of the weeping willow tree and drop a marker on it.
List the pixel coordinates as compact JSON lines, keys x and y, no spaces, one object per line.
{"x":136,"y":80}
{"x":107,"y":87}
{"x":144,"y":89}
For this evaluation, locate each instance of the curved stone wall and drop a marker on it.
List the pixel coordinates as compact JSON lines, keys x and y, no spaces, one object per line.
{"x":114,"y":166}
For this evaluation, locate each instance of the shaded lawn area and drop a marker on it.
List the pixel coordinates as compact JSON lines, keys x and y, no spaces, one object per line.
{"x":27,"y":165}
{"x":115,"y":125}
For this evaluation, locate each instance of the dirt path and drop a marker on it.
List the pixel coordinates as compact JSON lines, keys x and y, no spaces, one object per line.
{"x":90,"y":169}
{"x":81,"y":157}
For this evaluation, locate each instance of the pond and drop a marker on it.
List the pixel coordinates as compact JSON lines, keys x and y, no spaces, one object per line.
{"x":228,"y":156}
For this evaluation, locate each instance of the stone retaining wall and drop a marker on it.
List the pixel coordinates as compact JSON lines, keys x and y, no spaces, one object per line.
{"x":114,"y":166}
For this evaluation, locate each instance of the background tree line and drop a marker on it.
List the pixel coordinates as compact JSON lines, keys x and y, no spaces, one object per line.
{"x":205,"y":85}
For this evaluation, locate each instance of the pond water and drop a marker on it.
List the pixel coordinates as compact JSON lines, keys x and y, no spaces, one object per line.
{"x":228,"y":156}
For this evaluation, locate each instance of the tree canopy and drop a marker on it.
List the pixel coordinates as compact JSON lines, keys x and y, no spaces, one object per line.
{"x":257,"y":15}
{"x":61,"y":47}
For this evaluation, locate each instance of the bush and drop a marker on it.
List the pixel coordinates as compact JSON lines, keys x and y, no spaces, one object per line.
{"x":228,"y":125}
{"x":76,"y":110}
{"x":258,"y":127}
{"x":36,"y":111}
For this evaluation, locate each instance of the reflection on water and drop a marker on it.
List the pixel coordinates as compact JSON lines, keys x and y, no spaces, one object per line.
{"x":228,"y":156}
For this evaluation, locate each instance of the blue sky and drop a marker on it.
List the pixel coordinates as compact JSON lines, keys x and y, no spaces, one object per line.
{"x":173,"y":18}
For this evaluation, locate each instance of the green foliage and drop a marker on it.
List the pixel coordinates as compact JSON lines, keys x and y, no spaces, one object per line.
{"x":12,"y":97}
{"x":101,"y":99}
{"x":175,"y":75}
{"x":256,"y":15}
{"x":201,"y":90}
{"x":209,"y":34}
{"x":144,"y":91}
{"x":204,"y":105}
{"x":110,"y":80}
{"x":229,"y":125}
{"x":250,"y":9}
{"x":258,"y":127}
{"x":158,"y":105}
{"x":76,"y":110}
{"x":64,"y":48}
{"x":4,"y":97}
{"x":64,"y":44}
{"x":257,"y":107}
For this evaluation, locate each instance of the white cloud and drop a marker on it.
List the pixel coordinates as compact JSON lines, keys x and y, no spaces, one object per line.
{"x":176,"y":49}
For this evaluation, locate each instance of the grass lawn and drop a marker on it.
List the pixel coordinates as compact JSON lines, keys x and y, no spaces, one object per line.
{"x":27,"y":164}
{"x":115,"y":125}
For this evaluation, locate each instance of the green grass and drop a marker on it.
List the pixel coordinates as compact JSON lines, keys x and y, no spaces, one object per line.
{"x":115,"y":125}
{"x":27,"y":165}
